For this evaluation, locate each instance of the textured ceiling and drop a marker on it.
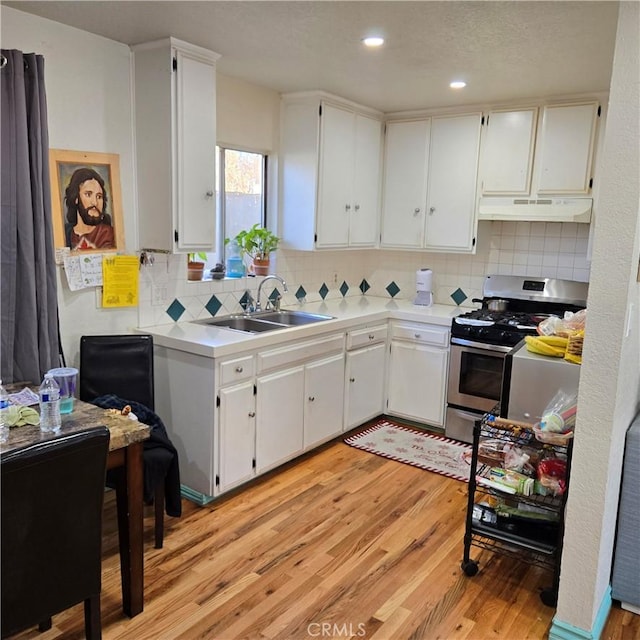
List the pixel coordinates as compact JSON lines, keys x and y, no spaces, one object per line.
{"x":504,"y":50}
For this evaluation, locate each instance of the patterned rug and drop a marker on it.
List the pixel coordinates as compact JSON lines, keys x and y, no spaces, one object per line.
{"x":420,"y":449}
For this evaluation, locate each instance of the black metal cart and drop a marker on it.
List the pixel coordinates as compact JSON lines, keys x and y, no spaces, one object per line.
{"x":537,"y":542}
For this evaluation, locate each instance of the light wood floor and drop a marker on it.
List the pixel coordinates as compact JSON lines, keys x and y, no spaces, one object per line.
{"x":340,"y":544}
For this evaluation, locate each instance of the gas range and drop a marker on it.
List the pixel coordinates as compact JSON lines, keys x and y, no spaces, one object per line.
{"x":481,"y":339}
{"x":528,"y":300}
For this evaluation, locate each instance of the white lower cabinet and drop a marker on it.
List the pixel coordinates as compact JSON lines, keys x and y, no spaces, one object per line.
{"x":237,"y":435}
{"x":365,"y":370}
{"x":323,"y":400}
{"x":279,"y":417}
{"x":418,"y":372}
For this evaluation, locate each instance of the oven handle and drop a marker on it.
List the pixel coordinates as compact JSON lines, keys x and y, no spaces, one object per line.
{"x":466,"y":415}
{"x":481,"y":345}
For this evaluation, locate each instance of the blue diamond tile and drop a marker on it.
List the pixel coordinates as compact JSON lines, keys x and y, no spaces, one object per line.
{"x":301,"y":293}
{"x":244,"y":301}
{"x":393,"y":289}
{"x":274,"y":295}
{"x":213,"y":306}
{"x":364,"y":286}
{"x":323,"y":291}
{"x":459,"y":296}
{"x":344,"y":287}
{"x":175,"y":310}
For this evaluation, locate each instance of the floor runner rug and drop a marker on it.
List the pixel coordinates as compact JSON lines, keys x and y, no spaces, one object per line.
{"x":420,"y":449}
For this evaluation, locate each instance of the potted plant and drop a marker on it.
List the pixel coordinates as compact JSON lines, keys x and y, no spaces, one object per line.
{"x":195,"y":265}
{"x":258,"y":243}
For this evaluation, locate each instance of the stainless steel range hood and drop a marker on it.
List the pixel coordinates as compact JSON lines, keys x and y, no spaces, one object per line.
{"x":536,"y":209}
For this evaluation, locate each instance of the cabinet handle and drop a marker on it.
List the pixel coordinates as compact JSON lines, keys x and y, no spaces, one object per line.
{"x":357,"y":207}
{"x":347,"y":207}
{"x":352,"y":379}
{"x":432,"y":210}
{"x":371,"y":336}
{"x":252,"y":414}
{"x":312,"y":398}
{"x":416,"y":336}
{"x":239,"y":369}
{"x":416,"y":211}
{"x":209,"y":194}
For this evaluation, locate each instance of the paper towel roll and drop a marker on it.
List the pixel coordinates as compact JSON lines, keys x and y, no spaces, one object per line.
{"x":424,"y":279}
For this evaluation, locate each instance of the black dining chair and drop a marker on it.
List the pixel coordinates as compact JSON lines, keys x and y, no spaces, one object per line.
{"x":52,"y":498}
{"x":122,"y":366}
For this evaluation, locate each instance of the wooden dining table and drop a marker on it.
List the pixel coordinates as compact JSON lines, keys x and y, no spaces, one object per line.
{"x":125,"y":454}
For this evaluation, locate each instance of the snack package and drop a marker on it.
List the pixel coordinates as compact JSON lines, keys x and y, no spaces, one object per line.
{"x":552,"y":477}
{"x":559,"y":415}
{"x":563,"y":327}
{"x":574,"y":348}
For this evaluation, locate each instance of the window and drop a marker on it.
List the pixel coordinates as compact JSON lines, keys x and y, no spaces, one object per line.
{"x":241,"y":194}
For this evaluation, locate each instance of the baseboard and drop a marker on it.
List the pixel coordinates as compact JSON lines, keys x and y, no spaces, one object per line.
{"x":564,"y":631}
{"x":195,"y":496}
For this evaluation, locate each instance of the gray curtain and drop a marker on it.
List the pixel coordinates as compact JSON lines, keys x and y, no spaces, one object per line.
{"x":29,"y":343}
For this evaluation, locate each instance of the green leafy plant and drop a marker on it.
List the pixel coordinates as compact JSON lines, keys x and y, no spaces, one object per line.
{"x":199,"y":256}
{"x":256,"y":242}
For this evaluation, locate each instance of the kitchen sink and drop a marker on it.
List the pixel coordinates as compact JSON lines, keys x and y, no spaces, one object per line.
{"x":264,"y":321}
{"x":292,"y":318}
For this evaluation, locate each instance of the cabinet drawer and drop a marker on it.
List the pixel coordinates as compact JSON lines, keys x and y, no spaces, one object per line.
{"x":366,"y":337}
{"x":236,"y":370}
{"x":299,"y":352}
{"x":421,"y":333}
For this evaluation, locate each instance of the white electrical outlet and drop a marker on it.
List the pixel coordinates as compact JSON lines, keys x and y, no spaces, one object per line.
{"x":159,"y":294}
{"x":98,"y":297}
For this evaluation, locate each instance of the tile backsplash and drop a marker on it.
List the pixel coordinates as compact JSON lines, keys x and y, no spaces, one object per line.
{"x":536,"y":249}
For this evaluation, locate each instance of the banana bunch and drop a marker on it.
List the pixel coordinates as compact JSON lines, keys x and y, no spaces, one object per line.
{"x":554,"y":346}
{"x":20,"y":416}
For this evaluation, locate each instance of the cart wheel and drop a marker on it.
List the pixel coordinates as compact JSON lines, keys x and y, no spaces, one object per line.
{"x":470,"y":567}
{"x":549,"y":597}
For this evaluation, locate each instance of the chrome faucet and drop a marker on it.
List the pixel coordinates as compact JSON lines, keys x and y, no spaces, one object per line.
{"x":270,"y":277}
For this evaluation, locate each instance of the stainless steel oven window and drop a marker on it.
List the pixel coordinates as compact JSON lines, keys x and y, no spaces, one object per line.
{"x":475,"y":377}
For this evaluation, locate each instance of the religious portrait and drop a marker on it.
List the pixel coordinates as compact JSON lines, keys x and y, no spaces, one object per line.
{"x":86,"y":201}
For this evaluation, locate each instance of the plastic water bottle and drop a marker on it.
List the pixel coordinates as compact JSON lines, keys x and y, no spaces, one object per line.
{"x":49,"y":404}
{"x":4,"y":406}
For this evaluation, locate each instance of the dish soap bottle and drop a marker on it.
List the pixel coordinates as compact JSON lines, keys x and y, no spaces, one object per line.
{"x":49,"y":393}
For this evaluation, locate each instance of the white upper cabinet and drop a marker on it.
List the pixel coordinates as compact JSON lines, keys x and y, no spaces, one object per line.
{"x":565,"y":148}
{"x":542,"y":151}
{"x":175,"y":122}
{"x":330,"y":159}
{"x":430,"y":179}
{"x":507,"y":151}
{"x":453,"y":173}
{"x":405,"y":183}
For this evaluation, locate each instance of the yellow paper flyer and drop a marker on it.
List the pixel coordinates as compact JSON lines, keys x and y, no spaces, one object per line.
{"x":120,"y":281}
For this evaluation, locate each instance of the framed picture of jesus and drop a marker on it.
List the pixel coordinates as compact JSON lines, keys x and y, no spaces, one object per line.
{"x":86,"y":201}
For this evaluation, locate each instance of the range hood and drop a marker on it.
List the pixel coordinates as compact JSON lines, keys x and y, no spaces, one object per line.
{"x":536,"y":209}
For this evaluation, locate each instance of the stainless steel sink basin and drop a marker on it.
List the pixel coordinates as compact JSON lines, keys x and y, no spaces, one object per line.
{"x":292,"y":318}
{"x":264,"y":321}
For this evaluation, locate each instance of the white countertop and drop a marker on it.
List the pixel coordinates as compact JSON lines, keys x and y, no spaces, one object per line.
{"x":214,"y":342}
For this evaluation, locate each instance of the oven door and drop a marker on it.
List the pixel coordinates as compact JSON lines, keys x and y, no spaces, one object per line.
{"x":475,"y":375}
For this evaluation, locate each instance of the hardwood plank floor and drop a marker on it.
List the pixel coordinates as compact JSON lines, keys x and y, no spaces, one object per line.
{"x":340,"y":544}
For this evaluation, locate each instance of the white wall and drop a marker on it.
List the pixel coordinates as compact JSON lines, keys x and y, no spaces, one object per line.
{"x":87,"y":80}
{"x":610,"y":380}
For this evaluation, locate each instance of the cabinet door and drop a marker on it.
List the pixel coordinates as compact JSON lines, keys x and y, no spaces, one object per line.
{"x":336,"y":176}
{"x":405,"y":184}
{"x":364,"y":388}
{"x":567,"y":138}
{"x":453,"y":170}
{"x":365,"y":211}
{"x":237,"y":440}
{"x":417,"y":382}
{"x":279,"y":417}
{"x":507,"y":152}
{"x":195,"y":152}
{"x":323,"y":399}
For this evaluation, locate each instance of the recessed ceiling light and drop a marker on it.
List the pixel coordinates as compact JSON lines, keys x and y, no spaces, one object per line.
{"x":458,"y":84}
{"x":373,"y":41}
